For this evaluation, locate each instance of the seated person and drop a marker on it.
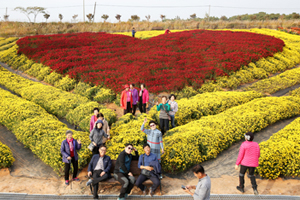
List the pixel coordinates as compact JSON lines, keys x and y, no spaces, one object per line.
{"x":99,"y":168}
{"x":148,"y":162}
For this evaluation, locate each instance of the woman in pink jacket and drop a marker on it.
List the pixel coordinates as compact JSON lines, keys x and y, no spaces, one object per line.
{"x":248,"y":159}
{"x":143,"y":98}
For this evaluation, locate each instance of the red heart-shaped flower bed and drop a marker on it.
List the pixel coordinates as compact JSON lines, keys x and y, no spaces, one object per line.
{"x":164,"y":63}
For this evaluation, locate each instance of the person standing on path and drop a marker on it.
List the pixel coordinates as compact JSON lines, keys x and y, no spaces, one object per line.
{"x":94,"y":118}
{"x":135,"y":98}
{"x":69,"y":154}
{"x":133,"y":32}
{"x":248,"y":159}
{"x":96,"y":136}
{"x":105,"y":126}
{"x":154,"y":138}
{"x":99,"y":168}
{"x":202,"y":190}
{"x":143,"y":98}
{"x":174,"y":109}
{"x":164,"y":109}
{"x":122,"y":170}
{"x":126,"y":100}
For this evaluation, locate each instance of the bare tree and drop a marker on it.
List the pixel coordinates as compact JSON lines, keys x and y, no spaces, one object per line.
{"x":90,"y":17}
{"x":135,"y":18}
{"x":147,"y":17}
{"x":74,"y":18}
{"x":162,"y":17}
{"x":193,"y":16}
{"x":60,"y":16}
{"x":31,"y":10}
{"x":118,"y":17}
{"x":105,"y":17}
{"x":46,"y":16}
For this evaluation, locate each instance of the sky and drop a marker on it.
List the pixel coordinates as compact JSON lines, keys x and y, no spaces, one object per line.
{"x":154,"y":8}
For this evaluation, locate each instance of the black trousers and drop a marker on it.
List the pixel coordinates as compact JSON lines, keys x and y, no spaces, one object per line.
{"x":127,"y":183}
{"x":96,"y":179}
{"x":142,"y":178}
{"x":142,"y":107}
{"x":68,"y":166}
{"x":250,"y":175}
{"x":163,"y":125}
{"x":95,"y":150}
{"x":134,"y":109}
{"x":128,"y":108}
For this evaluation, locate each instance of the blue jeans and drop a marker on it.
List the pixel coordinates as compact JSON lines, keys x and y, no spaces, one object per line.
{"x":172,"y":120}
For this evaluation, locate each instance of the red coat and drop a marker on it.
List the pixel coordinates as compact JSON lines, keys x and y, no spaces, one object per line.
{"x":123,"y":100}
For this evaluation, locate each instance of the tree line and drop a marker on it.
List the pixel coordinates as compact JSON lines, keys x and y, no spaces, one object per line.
{"x":261,"y":16}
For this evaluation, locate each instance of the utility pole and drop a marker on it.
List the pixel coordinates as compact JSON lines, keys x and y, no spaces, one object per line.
{"x":94,"y":12}
{"x":208,"y":12}
{"x":83,"y":12}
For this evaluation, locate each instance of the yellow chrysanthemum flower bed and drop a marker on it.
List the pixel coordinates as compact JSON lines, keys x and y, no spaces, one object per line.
{"x":210,"y":103}
{"x":276,"y":83}
{"x":6,"y":156}
{"x":280,"y":154}
{"x":204,"y":139}
{"x":39,"y":131}
{"x":58,"y":102}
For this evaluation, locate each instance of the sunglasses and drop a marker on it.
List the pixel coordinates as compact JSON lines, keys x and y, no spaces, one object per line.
{"x":129,"y":148}
{"x":152,"y":125}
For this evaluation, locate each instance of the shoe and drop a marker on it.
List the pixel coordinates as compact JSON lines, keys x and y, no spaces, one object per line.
{"x":120,"y":198}
{"x":90,"y":181}
{"x":126,"y":195}
{"x":161,"y":176}
{"x":145,"y":190}
{"x":240,"y":189}
{"x":75,"y":179}
{"x":255,"y":191}
{"x":67,"y":182}
{"x":150,"y":192}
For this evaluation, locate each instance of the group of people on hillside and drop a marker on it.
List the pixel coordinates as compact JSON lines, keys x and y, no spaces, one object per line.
{"x":149,"y":163}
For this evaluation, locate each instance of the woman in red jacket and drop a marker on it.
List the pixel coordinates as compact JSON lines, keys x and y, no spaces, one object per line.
{"x":143,"y":98}
{"x":248,"y":159}
{"x":126,"y":100}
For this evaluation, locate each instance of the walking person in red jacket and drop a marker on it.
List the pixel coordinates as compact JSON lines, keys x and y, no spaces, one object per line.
{"x":143,"y":98}
{"x":126,"y":100}
{"x":248,"y":159}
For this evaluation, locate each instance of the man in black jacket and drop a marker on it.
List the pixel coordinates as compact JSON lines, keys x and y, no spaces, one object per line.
{"x":99,"y":168}
{"x":122,"y":170}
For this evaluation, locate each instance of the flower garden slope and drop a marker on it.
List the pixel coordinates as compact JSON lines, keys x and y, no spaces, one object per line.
{"x":6,"y":156}
{"x":204,"y":139}
{"x":55,"y":101}
{"x":38,"y":130}
{"x":165,"y":62}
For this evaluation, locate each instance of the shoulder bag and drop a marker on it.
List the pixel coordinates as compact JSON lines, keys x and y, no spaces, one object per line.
{"x":144,"y":171}
{"x":166,"y":112}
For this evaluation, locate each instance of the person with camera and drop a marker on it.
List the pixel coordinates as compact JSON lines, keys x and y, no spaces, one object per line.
{"x":99,"y":168}
{"x":202,"y":189}
{"x":150,"y":169}
{"x":122,"y":170}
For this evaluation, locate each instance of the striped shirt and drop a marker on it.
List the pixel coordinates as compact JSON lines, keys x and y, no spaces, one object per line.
{"x":249,"y":154}
{"x":154,"y":139}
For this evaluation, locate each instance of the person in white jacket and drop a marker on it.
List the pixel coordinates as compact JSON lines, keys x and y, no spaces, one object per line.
{"x":174,"y":109}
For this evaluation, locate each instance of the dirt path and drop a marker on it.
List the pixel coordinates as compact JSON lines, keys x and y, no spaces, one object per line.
{"x":27,"y":164}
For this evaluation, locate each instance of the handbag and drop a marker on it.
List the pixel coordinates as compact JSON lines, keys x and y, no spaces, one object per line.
{"x":91,"y":146}
{"x":167,"y":113}
{"x":144,"y":171}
